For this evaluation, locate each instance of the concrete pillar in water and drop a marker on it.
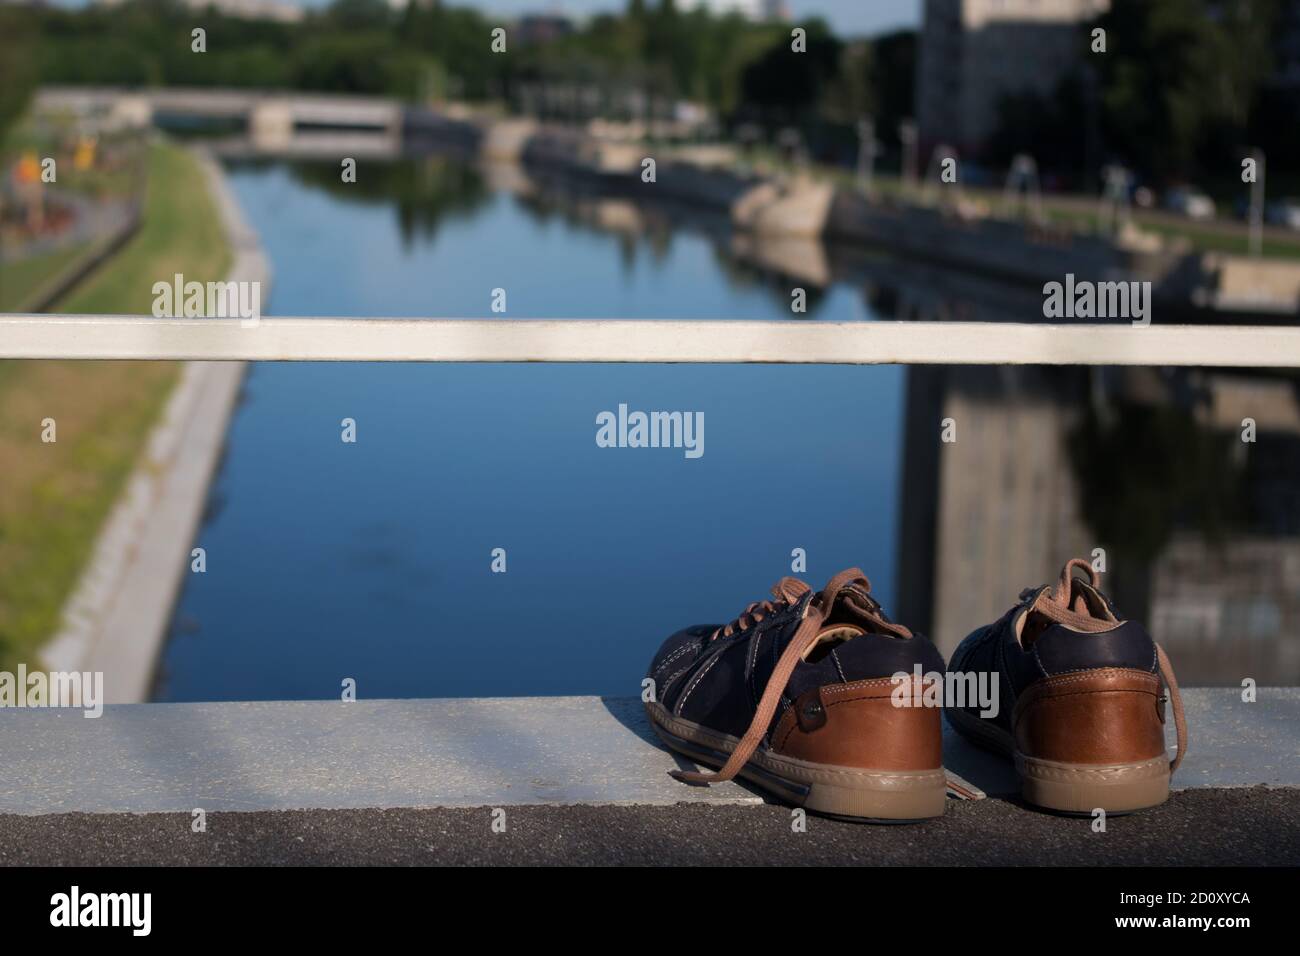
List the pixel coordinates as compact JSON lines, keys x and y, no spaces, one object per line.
{"x":271,"y":124}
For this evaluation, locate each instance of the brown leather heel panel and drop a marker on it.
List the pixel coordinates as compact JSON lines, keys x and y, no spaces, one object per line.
{"x":863,"y":728}
{"x":1106,"y":716}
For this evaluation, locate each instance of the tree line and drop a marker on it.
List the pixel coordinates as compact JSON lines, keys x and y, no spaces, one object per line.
{"x":1182,"y":87}
{"x":736,"y":67}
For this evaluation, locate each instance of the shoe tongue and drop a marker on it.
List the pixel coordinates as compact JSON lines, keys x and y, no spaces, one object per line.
{"x":1076,"y":605}
{"x":855,"y":605}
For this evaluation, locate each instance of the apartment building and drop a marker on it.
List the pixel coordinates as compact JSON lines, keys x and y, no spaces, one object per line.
{"x":973,"y":52}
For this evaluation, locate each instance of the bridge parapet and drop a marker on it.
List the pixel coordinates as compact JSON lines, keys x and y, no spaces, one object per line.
{"x":143,"y":106}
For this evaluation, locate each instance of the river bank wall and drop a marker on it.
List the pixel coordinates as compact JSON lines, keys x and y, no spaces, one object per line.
{"x":116,"y":620}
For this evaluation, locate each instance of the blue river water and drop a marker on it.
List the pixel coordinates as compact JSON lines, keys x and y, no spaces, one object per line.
{"x":372,"y":560}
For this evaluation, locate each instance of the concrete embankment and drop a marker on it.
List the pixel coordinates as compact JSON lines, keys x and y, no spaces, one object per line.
{"x":117,"y":618}
{"x":954,"y":235}
{"x":701,"y":177}
{"x":480,"y":752}
{"x":998,"y":248}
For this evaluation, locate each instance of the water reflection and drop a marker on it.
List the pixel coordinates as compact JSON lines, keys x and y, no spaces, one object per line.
{"x":343,"y":563}
{"x":424,"y":194}
{"x":1199,"y":528}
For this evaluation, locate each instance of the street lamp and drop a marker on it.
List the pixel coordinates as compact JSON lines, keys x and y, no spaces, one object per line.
{"x":1257,"y":205}
{"x":866,"y":152}
{"x":790,"y":142}
{"x":1022,"y":179}
{"x":907,"y":135}
{"x":1115,"y":196}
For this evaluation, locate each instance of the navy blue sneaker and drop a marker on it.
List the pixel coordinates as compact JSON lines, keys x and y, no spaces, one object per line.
{"x":1081,"y":709}
{"x":813,"y":698}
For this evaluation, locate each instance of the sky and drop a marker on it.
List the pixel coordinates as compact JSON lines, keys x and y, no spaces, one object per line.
{"x":847,"y":17}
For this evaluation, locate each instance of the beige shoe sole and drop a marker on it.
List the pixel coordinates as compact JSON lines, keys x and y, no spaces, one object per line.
{"x":1072,"y":787}
{"x":881,"y":796}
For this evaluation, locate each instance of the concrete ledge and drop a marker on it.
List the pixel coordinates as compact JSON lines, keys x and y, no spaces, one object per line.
{"x":317,"y":754}
{"x":472,"y":753}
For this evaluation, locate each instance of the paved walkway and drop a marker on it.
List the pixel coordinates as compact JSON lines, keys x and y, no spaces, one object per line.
{"x":1195,"y":828}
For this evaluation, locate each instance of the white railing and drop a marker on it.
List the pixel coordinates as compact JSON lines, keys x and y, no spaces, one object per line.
{"x":602,"y":340}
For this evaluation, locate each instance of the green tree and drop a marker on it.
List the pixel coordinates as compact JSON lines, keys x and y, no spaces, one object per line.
{"x":785,"y":86}
{"x":359,"y":14}
{"x":1180,"y":77}
{"x":849,"y":93}
{"x":1053,"y":129}
{"x":360,"y":63}
{"x":17,"y":66}
{"x":893,"y":82}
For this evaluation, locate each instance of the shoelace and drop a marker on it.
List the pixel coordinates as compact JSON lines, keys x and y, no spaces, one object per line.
{"x":1055,"y":605}
{"x":788,"y":590}
{"x":785,"y":592}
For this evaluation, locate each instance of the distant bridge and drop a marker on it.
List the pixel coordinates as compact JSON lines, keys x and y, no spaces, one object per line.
{"x":271,"y":116}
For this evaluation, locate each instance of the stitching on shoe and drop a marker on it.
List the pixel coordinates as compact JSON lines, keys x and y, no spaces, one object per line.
{"x":862,"y":684}
{"x":835,"y":703}
{"x":1088,"y":693}
{"x":838,"y":666}
{"x":791,"y":764}
{"x":726,"y":644}
{"x":1081,"y":676}
{"x":695,"y":682}
{"x":755,"y":640}
{"x":785,"y":707}
{"x":663,"y":692}
{"x":1073,"y":677}
{"x":1110,"y":668}
{"x":777,"y":745}
{"x":1002,"y":669}
{"x":674,"y":655}
{"x":1039,"y":660}
{"x":1042,"y":667}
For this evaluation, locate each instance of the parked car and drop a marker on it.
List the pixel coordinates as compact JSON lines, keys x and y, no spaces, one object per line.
{"x":1283,"y":212}
{"x":1190,"y":203}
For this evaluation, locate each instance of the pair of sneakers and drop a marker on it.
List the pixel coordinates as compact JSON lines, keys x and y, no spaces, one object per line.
{"x":822,"y":701}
